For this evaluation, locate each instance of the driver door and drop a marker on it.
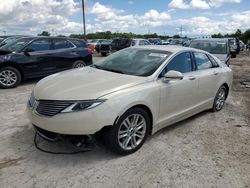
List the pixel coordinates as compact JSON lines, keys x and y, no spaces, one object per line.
{"x":39,"y":61}
{"x":178,"y":97}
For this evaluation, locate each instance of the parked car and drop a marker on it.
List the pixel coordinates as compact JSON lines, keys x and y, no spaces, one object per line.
{"x":40,"y":56}
{"x":120,"y":43}
{"x":129,"y":95}
{"x":140,"y":42}
{"x":238,"y":45}
{"x":233,"y":47}
{"x":94,"y":42}
{"x":218,"y":47}
{"x":11,"y":39}
{"x":156,"y":41}
{"x":242,"y":45}
{"x":177,"y":41}
{"x":103,"y":46}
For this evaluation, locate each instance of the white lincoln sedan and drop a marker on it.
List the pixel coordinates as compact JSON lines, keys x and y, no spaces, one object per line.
{"x":129,"y":95}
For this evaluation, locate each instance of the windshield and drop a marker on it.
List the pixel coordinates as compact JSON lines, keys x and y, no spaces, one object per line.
{"x":133,"y":61}
{"x":16,"y":45}
{"x":214,"y":47}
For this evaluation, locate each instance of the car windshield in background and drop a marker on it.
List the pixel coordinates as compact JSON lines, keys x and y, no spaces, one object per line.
{"x":17,"y":45}
{"x":105,"y":41}
{"x":132,"y":61}
{"x":214,"y":47}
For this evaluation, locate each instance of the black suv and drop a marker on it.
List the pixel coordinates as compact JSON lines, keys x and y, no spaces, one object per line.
{"x":121,"y":43}
{"x":103,"y":47}
{"x":31,"y":57}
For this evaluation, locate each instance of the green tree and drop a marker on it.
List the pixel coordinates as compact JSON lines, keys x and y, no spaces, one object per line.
{"x":44,"y":33}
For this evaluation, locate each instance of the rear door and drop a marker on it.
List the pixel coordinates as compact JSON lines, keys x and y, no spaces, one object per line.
{"x":63,"y":53}
{"x":207,"y":74}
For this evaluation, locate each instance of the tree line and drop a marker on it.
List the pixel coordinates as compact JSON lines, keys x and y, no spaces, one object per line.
{"x":244,"y":36}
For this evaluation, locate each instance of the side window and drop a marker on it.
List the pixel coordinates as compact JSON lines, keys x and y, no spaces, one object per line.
{"x":62,"y":44}
{"x":80,"y":43}
{"x":202,"y":61}
{"x":146,"y":42}
{"x":40,"y":45}
{"x":182,"y":63}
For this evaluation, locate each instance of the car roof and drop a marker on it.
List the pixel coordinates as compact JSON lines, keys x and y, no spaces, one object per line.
{"x":170,"y":48}
{"x":211,"y":39}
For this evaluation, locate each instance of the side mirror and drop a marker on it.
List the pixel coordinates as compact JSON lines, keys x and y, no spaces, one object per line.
{"x":173,"y":75}
{"x":28,"y":50}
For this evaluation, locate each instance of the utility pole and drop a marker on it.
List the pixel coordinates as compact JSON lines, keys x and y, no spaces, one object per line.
{"x":181,"y":31}
{"x":83,"y":20}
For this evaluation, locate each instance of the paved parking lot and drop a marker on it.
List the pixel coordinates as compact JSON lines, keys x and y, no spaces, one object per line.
{"x":207,"y":150}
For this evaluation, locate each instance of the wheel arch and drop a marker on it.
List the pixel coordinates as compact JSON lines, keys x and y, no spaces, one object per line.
{"x":227,"y":87}
{"x":144,"y":107}
{"x":14,"y":65}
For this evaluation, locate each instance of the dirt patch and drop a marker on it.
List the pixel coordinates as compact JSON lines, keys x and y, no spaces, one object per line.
{"x":9,"y":162}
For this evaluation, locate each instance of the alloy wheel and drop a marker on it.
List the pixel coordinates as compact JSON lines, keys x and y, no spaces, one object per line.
{"x":79,"y":65}
{"x":221,"y":97}
{"x":8,"y":78}
{"x":132,"y":131}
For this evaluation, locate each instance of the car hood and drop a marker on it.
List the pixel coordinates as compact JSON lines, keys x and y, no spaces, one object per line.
{"x":83,"y":84}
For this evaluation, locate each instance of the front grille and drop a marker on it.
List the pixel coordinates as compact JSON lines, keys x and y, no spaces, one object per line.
{"x":105,"y":47}
{"x":51,"y":108}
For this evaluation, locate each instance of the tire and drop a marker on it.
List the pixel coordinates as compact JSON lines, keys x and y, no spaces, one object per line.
{"x":10,"y":77}
{"x":104,"y":54}
{"x":78,"y":64}
{"x":234,"y":55}
{"x":220,"y":99}
{"x":126,"y":136}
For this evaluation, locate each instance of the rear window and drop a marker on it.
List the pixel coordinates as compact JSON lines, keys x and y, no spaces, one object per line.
{"x":79,"y":43}
{"x":214,"y":47}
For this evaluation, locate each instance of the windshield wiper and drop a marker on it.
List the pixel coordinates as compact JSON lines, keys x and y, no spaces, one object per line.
{"x":107,"y":69}
{"x":113,"y":70}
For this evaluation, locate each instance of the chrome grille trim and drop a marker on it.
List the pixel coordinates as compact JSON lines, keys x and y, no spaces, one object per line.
{"x":51,"y":107}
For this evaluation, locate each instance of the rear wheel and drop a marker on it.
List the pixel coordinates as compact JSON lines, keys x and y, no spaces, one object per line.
{"x":130,"y":132}
{"x":220,"y":99}
{"x":10,"y":77}
{"x":78,"y":64}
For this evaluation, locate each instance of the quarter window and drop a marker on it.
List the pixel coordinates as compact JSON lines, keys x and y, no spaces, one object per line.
{"x":202,"y":61}
{"x":62,"y":44}
{"x":40,"y":45}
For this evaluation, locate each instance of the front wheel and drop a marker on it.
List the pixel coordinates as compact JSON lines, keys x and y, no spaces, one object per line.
{"x":220,"y":99}
{"x":130,"y":132}
{"x":78,"y":64}
{"x":10,"y":77}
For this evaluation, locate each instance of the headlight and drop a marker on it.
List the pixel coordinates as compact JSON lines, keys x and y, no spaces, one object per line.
{"x":32,"y":99}
{"x":83,"y":105}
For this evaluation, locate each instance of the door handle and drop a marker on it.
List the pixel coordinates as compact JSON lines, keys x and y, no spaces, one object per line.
{"x":191,"y":78}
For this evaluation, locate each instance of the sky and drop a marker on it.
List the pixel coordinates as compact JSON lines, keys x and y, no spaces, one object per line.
{"x":164,"y":17}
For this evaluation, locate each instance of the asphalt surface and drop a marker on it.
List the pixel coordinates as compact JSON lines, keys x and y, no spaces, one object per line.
{"x":207,"y":150}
